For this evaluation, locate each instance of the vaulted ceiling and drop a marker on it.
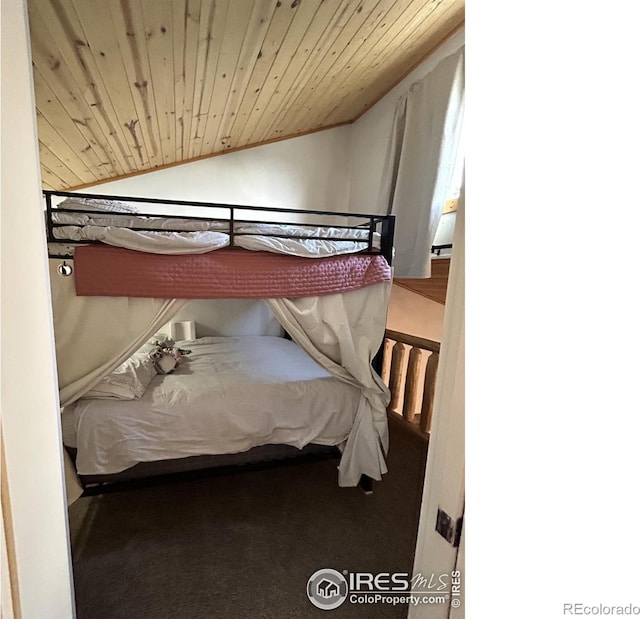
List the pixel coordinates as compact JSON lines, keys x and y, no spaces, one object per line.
{"x":124,"y":86}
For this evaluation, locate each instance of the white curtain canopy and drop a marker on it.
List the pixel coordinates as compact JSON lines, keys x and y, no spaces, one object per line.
{"x":94,"y":335}
{"x":343,"y":332}
{"x":420,"y":162}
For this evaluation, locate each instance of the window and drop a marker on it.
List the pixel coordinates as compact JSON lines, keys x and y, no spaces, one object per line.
{"x":444,"y":234}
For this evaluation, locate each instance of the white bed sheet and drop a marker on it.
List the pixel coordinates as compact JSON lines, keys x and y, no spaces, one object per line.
{"x":198,"y":236}
{"x":232,"y":394}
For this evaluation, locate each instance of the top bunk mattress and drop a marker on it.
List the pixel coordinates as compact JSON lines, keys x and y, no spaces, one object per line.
{"x":230,"y":395}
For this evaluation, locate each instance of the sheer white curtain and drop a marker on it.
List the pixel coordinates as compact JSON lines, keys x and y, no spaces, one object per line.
{"x":420,"y":162}
{"x":94,"y":335}
{"x":343,"y":332}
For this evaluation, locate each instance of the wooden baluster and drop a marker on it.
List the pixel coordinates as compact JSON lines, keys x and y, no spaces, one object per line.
{"x":386,"y":363}
{"x":429,"y":389}
{"x":395,"y":376}
{"x":411,"y":395}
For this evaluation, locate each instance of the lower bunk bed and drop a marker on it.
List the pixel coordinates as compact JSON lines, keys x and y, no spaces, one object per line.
{"x":231,"y":399}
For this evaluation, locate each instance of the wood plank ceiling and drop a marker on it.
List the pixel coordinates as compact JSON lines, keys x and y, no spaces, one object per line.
{"x":124,"y":86}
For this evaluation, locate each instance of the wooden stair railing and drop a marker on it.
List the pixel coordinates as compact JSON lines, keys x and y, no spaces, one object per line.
{"x":415,"y":400}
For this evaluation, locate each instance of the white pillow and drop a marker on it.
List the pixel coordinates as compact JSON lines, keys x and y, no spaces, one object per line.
{"x":127,"y":382}
{"x":95,"y":204}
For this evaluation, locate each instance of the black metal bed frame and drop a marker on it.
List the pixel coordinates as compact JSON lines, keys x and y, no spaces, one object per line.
{"x":384,"y":224}
{"x":437,"y":249}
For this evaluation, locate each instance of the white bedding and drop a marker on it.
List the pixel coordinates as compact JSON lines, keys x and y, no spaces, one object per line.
{"x":232,"y":394}
{"x":196,"y":236}
{"x":150,"y":241}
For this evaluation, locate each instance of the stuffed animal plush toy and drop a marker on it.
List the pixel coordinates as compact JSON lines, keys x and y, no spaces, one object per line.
{"x":166,"y":358}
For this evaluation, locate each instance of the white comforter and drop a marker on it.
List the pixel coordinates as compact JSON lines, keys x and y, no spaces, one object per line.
{"x":195,"y":236}
{"x":232,"y":394}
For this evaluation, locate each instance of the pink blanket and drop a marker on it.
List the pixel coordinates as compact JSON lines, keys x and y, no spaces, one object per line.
{"x":222,"y":274}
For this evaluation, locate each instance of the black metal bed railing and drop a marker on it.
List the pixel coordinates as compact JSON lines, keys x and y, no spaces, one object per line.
{"x":437,"y":249}
{"x":381,"y":224}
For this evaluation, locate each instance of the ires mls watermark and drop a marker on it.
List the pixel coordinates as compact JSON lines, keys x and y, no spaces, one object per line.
{"x":328,"y":589}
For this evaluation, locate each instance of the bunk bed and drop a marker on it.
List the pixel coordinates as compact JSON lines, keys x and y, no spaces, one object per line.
{"x":121,"y":267}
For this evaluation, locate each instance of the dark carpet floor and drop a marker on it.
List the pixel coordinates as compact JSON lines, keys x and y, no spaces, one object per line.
{"x":244,"y":544}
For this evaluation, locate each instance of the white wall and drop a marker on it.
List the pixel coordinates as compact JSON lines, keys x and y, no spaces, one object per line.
{"x":30,"y":413}
{"x":444,"y":476}
{"x":309,"y":172}
{"x":370,"y":133}
{"x":228,"y":317}
{"x":414,"y":314}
